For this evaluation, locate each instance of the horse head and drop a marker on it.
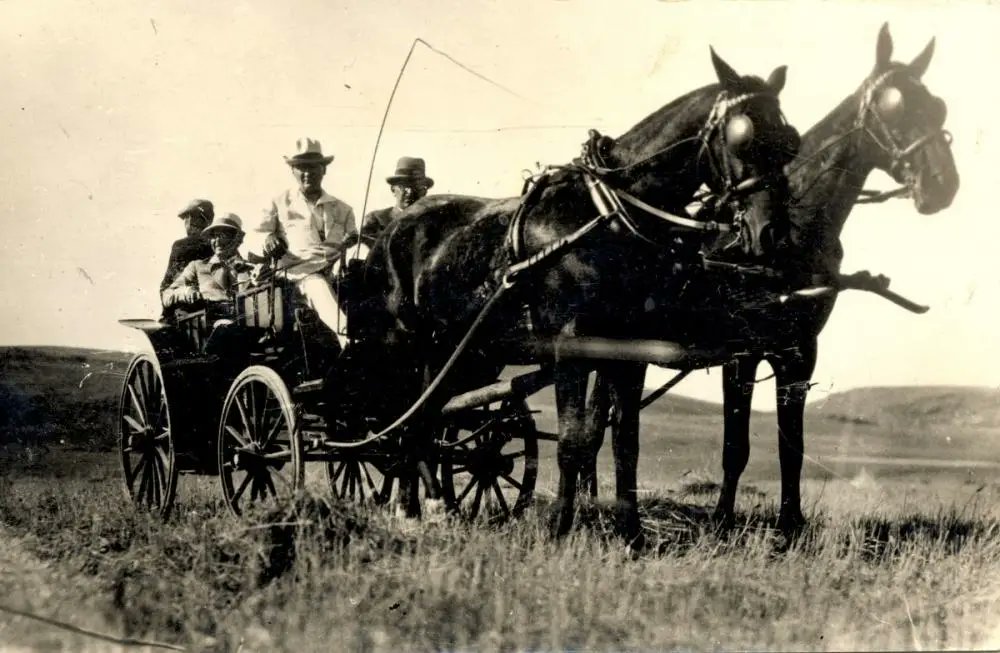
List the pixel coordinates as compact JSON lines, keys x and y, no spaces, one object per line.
{"x":748,"y":157}
{"x":905,"y":123}
{"x":730,"y":139}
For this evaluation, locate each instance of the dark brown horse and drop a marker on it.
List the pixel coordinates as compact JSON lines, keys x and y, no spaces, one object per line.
{"x":892,"y":123}
{"x":595,"y":264}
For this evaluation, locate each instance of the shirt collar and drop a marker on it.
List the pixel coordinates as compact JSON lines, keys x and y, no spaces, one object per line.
{"x":214,"y":260}
{"x":325,"y":198}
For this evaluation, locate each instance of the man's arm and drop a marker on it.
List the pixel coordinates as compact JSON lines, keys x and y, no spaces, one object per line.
{"x":275,"y":245}
{"x":183,"y":289}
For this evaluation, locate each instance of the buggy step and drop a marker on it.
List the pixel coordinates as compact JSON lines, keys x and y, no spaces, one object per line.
{"x":308,"y":387}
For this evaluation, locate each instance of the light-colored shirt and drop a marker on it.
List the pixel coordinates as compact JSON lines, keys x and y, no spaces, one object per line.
{"x":313,"y":231}
{"x":215,"y":279}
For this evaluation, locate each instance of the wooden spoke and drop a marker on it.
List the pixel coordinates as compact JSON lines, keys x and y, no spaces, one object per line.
{"x":258,"y":410}
{"x":237,"y":436}
{"x":495,"y":465}
{"x":512,"y":481}
{"x":499,"y":495}
{"x":360,"y":479}
{"x":133,"y":424}
{"x":138,"y":405}
{"x":243,"y":486}
{"x":145,"y":438}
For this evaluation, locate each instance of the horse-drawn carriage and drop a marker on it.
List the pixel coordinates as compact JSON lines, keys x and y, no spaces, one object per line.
{"x":249,"y":399}
{"x":254,"y":397}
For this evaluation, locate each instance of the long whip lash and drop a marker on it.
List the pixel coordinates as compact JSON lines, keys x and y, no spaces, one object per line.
{"x":392,"y":96}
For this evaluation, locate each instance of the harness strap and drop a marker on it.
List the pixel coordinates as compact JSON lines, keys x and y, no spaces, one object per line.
{"x":689,"y":223}
{"x":553,"y":248}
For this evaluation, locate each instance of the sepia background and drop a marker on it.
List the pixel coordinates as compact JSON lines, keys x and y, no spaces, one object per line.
{"x":115,"y":114}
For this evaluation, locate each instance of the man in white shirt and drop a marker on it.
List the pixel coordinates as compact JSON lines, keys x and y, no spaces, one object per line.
{"x":307,"y":226}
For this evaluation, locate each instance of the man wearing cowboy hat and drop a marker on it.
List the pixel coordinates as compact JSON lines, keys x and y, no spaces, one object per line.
{"x":213,"y":279}
{"x":409,"y":184}
{"x":306,"y":227}
{"x":196,"y":215}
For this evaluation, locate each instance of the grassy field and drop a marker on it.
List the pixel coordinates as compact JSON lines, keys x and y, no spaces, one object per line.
{"x":897,"y":556}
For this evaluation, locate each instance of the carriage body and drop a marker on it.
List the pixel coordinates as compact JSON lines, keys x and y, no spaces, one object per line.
{"x":253,"y":390}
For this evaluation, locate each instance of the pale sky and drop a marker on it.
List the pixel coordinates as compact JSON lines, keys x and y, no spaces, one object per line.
{"x":117,"y":113}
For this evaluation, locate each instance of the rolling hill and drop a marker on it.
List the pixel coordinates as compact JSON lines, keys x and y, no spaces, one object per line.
{"x":914,"y":406}
{"x":71,"y":394}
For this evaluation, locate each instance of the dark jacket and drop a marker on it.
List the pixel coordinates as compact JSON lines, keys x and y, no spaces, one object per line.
{"x":376,"y":222}
{"x":184,"y":251}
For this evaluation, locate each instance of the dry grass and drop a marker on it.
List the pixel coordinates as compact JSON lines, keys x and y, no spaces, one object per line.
{"x":905,"y":573}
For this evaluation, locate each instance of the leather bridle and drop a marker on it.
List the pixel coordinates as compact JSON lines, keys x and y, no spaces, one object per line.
{"x":882,"y":134}
{"x":593,"y":163}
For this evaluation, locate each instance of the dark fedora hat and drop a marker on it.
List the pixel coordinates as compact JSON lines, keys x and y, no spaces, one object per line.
{"x":307,"y":152}
{"x":198,"y":207}
{"x":411,"y":170}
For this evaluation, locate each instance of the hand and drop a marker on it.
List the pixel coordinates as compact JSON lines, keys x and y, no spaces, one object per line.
{"x":260,"y":274}
{"x":188,"y":295}
{"x":275,"y":246}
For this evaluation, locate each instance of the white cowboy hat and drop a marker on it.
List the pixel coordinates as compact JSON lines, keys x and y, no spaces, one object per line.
{"x":307,"y":151}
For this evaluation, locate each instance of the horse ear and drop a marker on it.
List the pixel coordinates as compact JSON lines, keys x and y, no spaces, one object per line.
{"x":883,"y":51}
{"x":728,"y":77}
{"x":777,"y":79}
{"x":919,"y":65}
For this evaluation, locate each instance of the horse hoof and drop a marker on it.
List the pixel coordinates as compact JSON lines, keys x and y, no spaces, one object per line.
{"x":791,"y":526}
{"x":634,"y":546}
{"x":723,"y":521}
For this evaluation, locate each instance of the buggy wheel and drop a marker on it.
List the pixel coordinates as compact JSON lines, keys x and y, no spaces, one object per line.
{"x":378,"y":479}
{"x":145,"y":439}
{"x":361,"y":479}
{"x":489,"y":461}
{"x":260,"y":451}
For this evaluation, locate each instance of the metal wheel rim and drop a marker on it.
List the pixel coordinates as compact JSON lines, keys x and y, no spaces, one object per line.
{"x":145,"y":438}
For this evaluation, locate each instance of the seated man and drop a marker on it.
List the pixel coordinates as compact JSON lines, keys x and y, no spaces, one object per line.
{"x":409,"y":184}
{"x":211,"y":282}
{"x":196,"y":215}
{"x":307,"y":227}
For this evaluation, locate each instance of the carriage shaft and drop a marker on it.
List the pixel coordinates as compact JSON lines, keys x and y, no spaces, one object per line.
{"x":520,"y":386}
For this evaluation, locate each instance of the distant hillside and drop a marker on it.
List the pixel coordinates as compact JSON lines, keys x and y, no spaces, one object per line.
{"x":913,"y":406}
{"x":60,"y":393}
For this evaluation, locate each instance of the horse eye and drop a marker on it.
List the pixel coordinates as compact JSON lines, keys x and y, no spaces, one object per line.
{"x":890,"y":103}
{"x":739,"y":131}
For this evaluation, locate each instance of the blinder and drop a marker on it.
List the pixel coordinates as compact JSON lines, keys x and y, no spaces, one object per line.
{"x":890,"y":103}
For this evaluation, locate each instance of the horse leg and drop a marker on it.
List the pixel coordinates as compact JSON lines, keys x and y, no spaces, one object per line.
{"x":793,"y":369}
{"x":570,"y":382}
{"x":597,"y":421}
{"x":627,"y":395}
{"x":421,"y":468}
{"x":737,"y":393}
